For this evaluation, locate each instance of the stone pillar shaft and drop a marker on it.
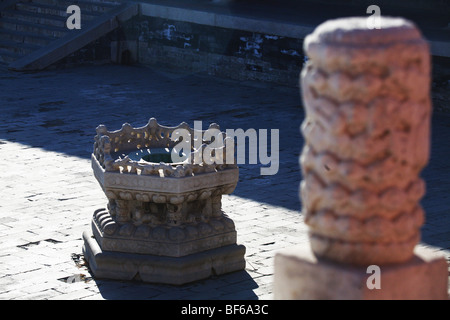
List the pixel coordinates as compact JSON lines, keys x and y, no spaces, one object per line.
{"x":367,"y":102}
{"x":366,"y":94}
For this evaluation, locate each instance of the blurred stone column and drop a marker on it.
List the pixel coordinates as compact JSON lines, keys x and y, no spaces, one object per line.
{"x":366,"y":94}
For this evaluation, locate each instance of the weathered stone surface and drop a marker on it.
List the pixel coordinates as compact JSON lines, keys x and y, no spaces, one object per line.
{"x":231,"y":52}
{"x":300,"y":275}
{"x":60,"y":206}
{"x":367,"y":135}
{"x":161,"y":212}
{"x":163,"y":240}
{"x":367,"y":128}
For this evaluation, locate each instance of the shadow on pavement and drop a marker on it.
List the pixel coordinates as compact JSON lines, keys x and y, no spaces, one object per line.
{"x":59,"y":110}
{"x":234,"y":286}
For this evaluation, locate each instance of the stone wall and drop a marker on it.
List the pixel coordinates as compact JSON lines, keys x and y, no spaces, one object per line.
{"x":235,"y":54}
{"x":228,"y":52}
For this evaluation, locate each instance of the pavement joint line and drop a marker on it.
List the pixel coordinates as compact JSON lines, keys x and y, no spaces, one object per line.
{"x":43,"y":235}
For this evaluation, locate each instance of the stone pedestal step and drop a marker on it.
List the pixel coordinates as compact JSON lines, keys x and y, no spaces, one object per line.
{"x":18,"y":47}
{"x":56,"y":9}
{"x":8,"y":56}
{"x":29,"y":27}
{"x":300,"y":275}
{"x":35,"y":17}
{"x":161,"y":269}
{"x":25,"y":37}
{"x":86,"y":6}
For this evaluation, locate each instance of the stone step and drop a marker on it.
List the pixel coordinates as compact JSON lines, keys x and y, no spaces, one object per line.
{"x":110,"y":3}
{"x":37,"y":18}
{"x":53,"y":9}
{"x":86,"y":6}
{"x":18,"y":47}
{"x":29,"y":27}
{"x":8,"y":56}
{"x":73,"y":40}
{"x":25,"y":37}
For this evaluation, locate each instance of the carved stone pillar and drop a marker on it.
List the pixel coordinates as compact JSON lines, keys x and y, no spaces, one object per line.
{"x":366,"y":94}
{"x":367,"y":127}
{"x":163,"y":222}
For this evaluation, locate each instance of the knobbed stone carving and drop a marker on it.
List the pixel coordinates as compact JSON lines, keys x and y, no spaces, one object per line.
{"x":366,"y":131}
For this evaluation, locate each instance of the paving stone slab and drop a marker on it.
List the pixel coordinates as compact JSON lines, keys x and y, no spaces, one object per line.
{"x":45,"y":164}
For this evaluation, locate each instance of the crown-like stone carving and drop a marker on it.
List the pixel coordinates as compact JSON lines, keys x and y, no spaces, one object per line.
{"x":110,"y":145}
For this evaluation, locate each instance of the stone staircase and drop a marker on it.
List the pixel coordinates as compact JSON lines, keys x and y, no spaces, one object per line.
{"x":33,"y":33}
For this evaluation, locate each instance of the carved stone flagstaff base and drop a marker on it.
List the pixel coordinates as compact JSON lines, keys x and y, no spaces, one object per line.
{"x":300,"y":275}
{"x":164,"y":221}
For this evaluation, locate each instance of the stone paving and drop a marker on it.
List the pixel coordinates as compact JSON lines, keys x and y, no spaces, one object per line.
{"x":48,"y":192}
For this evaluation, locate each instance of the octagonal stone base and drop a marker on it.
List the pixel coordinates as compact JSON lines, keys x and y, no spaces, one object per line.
{"x":162,"y":240}
{"x":161,"y":269}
